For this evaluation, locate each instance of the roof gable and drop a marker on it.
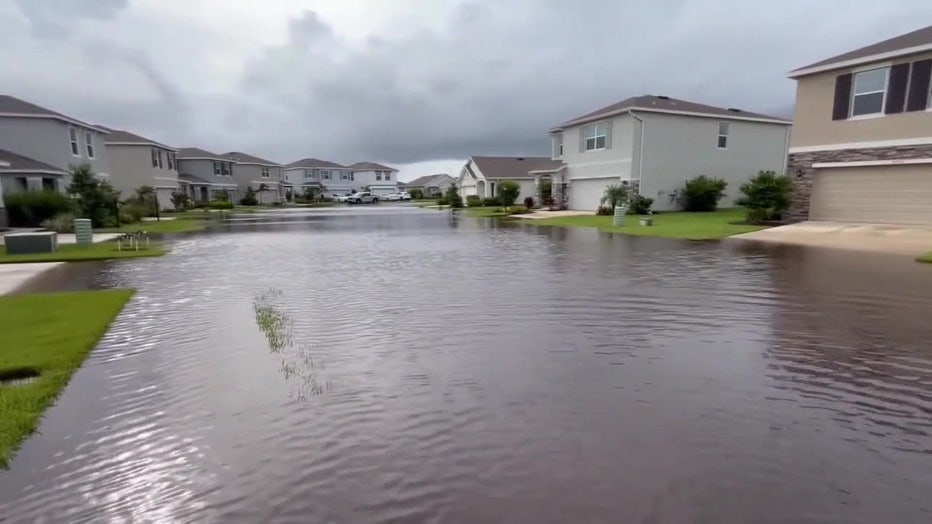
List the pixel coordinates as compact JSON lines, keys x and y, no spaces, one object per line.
{"x":16,"y":107}
{"x":12,"y":162}
{"x":913,"y":42}
{"x":508,"y":167}
{"x":312,"y":162}
{"x":120,"y":137}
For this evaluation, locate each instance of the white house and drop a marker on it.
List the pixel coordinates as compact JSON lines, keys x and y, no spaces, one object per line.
{"x":482,"y":174}
{"x":376,"y":178}
{"x":654,"y":144}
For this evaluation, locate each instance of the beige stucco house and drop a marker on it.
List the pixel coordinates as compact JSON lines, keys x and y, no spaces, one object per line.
{"x":653,"y":144}
{"x":138,"y":161}
{"x":481,"y":175}
{"x":861,"y":149}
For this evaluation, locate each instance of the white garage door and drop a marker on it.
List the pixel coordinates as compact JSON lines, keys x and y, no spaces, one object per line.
{"x":586,"y":194}
{"x":899,"y":194}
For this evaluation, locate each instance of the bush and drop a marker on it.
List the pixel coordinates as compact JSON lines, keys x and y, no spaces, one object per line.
{"x":529,"y":202}
{"x":766,"y":196}
{"x":132,"y":212}
{"x":32,"y":208}
{"x":452,"y":196}
{"x":416,"y":194}
{"x":614,"y":195}
{"x":490,"y":202}
{"x":508,"y":192}
{"x":604,"y":211}
{"x":180,"y":200}
{"x":61,"y":223}
{"x":640,"y":205}
{"x":94,"y":199}
{"x":249,"y":199}
{"x":473,"y":201}
{"x":221,"y":204}
{"x":442,"y":201}
{"x":703,"y":193}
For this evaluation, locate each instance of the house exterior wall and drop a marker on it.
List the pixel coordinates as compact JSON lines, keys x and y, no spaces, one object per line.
{"x":367,"y":177}
{"x":47,"y":140}
{"x":813,"y":124}
{"x":204,"y":169}
{"x":132,"y":168}
{"x":12,"y":182}
{"x":679,"y":147}
{"x":246,"y":175}
{"x":613,"y":162}
{"x":468,"y":184}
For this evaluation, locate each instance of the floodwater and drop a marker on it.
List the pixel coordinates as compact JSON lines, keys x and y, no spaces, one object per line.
{"x":399,"y":365}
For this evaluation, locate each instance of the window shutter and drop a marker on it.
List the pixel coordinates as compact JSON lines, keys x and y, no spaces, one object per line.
{"x":919,"y":87}
{"x":842,"y":97}
{"x":608,"y":134}
{"x":582,"y":139}
{"x":896,"y":91}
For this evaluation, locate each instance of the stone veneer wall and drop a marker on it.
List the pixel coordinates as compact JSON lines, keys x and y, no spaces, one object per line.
{"x":801,"y":172}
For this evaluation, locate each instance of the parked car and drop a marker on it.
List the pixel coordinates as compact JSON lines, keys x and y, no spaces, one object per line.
{"x":342,"y":198}
{"x":405,"y":195}
{"x":392,"y":197}
{"x":363,"y":198}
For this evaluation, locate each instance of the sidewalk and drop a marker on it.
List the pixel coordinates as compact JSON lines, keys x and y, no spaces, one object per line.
{"x":878,"y":238}
{"x":543,"y":213}
{"x":14,"y":276}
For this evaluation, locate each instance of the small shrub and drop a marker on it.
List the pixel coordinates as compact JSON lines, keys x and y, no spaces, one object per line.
{"x":180,"y":200}
{"x":529,"y":202}
{"x":766,"y":196}
{"x":132,"y":212}
{"x":452,"y":196}
{"x":61,"y":223}
{"x":508,"y":192}
{"x":614,"y":195}
{"x":703,"y":193}
{"x":202,"y":205}
{"x":640,"y":205}
{"x":249,"y":199}
{"x":221,"y":204}
{"x":416,"y":194}
{"x":94,"y":199}
{"x":442,"y":201}
{"x":32,"y":208}
{"x":473,"y":201}
{"x":222,"y":196}
{"x":127,"y":217}
{"x":604,"y":211}
{"x":490,"y":202}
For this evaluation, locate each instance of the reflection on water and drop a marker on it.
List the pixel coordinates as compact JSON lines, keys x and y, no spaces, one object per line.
{"x":298,"y":361}
{"x":481,"y":371}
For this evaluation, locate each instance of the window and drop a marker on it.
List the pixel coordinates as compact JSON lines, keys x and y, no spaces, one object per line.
{"x":223,"y":169}
{"x":265,"y":173}
{"x":324,"y":174}
{"x":378,"y":176}
{"x":492,"y":189}
{"x":171,"y":160}
{"x":870,"y":92}
{"x":22,"y":183}
{"x":388,"y":176}
{"x":155,"y":159}
{"x":345,"y":175}
{"x":557,"y":145}
{"x":73,"y":134}
{"x":595,"y":136}
{"x":352,"y":176}
{"x":723,"y":135}
{"x":159,"y":153}
{"x":89,"y":143}
{"x":48,"y":184}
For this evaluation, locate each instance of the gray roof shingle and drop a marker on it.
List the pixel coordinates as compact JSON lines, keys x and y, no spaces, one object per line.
{"x":666,"y":104}
{"x":196,"y":152}
{"x":438,"y":180}
{"x":508,"y":167}
{"x":312,"y":162}
{"x":119,"y":136}
{"x":19,"y":163}
{"x":16,"y":106}
{"x":243,"y":158}
{"x":370,"y":166}
{"x":905,"y":42}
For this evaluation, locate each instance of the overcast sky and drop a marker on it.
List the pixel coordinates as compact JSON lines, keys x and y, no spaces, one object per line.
{"x":418,"y":84}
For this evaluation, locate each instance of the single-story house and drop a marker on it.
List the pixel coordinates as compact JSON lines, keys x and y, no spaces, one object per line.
{"x":482,"y":174}
{"x":430,"y":185}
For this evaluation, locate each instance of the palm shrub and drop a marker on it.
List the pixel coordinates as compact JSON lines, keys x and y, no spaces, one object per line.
{"x":614,"y":195}
{"x":639,"y":205}
{"x":702,"y":193}
{"x":766,"y":196}
{"x":508,"y":191}
{"x":32,"y":208}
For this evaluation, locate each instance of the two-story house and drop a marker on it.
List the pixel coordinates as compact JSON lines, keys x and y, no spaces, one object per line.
{"x":137,"y":161}
{"x":861,"y":149}
{"x":203,"y":175}
{"x":376,"y":178}
{"x":264,"y":176}
{"x":317,"y":175}
{"x":52,"y":139}
{"x":655,"y":143}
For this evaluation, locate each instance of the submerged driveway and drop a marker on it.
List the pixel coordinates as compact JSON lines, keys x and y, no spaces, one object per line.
{"x":880,"y":238}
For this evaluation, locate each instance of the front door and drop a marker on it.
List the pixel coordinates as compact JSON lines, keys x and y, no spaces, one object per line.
{"x":204,"y":197}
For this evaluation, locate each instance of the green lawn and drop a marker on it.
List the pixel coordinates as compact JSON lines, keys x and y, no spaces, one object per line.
{"x":178,"y":225}
{"x":925,"y":258}
{"x":690,"y":226}
{"x":76,"y":253}
{"x":494,"y":211}
{"x":49,"y":335}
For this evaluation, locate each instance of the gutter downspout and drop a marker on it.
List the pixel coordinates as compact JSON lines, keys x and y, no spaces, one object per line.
{"x":786,"y":150}
{"x":640,"y":147}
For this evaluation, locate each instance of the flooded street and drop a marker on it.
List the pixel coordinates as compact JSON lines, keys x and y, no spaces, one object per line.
{"x":401,"y":365}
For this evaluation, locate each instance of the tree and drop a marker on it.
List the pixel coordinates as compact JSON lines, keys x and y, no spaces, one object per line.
{"x":546,"y":190}
{"x":94,"y":199}
{"x":766,"y":196}
{"x":180,"y":200}
{"x":452,"y":197}
{"x":614,"y":195}
{"x":508,"y":191}
{"x":249,"y":199}
{"x":416,"y":194}
{"x":703,"y":193}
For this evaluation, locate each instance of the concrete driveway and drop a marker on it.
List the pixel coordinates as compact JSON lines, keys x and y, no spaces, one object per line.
{"x":879,"y":238}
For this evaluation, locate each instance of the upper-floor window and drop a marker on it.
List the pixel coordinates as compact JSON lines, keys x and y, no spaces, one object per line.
{"x":378,"y":176}
{"x":156,"y":160}
{"x":223,"y":168}
{"x":723,"y":135}
{"x":870,"y":92}
{"x":345,"y":175}
{"x":558,"y":145}
{"x":73,"y":135}
{"x":310,"y":173}
{"x":265,"y":173}
{"x":595,"y":136}
{"x":89,"y":143}
{"x":388,"y":176}
{"x":325,"y":174}
{"x":171,"y":160}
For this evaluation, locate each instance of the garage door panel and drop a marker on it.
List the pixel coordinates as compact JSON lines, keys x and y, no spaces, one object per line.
{"x":900,"y":194}
{"x":586,"y":194}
